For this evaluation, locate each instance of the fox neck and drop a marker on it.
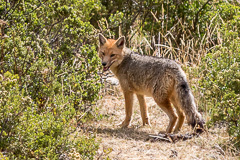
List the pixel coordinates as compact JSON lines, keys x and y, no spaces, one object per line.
{"x":115,"y":66}
{"x":113,"y":69}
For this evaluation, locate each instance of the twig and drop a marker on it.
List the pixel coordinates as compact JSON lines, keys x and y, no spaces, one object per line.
{"x":84,"y":113}
{"x":172,"y":138}
{"x":35,"y":8}
{"x":196,"y":19}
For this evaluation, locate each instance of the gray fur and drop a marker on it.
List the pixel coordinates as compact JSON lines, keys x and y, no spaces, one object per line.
{"x":163,"y":79}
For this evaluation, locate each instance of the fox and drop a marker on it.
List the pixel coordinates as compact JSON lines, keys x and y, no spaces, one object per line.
{"x":160,"y":78}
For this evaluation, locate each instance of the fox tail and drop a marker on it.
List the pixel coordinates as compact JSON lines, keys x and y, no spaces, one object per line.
{"x":186,"y":100}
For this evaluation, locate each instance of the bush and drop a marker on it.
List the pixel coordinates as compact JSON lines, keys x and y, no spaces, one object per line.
{"x":220,"y":81}
{"x":48,"y":78}
{"x":220,"y":85}
{"x":216,"y":81}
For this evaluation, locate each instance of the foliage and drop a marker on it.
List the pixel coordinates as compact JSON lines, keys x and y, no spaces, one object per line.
{"x":185,"y":30}
{"x":215,"y":81}
{"x":220,"y":84}
{"x":26,"y":133}
{"x":174,"y":21}
{"x":48,"y":78}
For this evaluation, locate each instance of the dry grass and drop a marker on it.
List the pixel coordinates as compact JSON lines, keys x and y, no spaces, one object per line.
{"x":130,"y":143}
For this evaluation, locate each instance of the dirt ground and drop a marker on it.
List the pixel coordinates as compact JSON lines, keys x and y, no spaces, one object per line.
{"x":133,"y":143}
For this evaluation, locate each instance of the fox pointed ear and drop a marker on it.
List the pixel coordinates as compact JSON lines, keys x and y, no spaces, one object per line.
{"x":120,"y":42}
{"x":102,"y":39}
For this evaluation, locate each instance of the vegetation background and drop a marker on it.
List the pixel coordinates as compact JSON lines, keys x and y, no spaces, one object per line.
{"x":49,"y":69}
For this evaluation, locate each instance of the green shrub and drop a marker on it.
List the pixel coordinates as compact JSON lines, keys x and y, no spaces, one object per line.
{"x":48,"y":78}
{"x":216,"y":81}
{"x":220,"y":84}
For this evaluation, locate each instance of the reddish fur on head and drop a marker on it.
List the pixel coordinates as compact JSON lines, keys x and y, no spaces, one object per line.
{"x":110,"y":51}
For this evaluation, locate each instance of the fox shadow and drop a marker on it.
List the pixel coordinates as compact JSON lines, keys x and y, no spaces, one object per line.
{"x":134,"y":133}
{"x":125,"y":133}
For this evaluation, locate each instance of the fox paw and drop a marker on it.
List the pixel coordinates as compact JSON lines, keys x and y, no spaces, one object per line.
{"x":147,"y":123}
{"x":124,"y":124}
{"x":176,"y":131}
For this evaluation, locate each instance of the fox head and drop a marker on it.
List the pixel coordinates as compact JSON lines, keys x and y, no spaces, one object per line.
{"x":111,"y":52}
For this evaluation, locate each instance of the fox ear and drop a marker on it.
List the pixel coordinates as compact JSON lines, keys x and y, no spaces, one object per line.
{"x":102,"y":39}
{"x":120,"y":42}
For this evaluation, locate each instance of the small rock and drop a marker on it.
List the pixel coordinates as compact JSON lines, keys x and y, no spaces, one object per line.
{"x":112,"y":80}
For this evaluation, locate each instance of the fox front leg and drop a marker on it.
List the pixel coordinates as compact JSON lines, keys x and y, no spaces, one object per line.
{"x":144,"y":110}
{"x":128,"y":108}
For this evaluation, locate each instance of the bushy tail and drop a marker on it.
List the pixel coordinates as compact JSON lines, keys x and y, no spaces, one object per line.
{"x":187,"y":104}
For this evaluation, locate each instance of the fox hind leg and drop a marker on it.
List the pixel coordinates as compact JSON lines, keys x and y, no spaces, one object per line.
{"x":180,"y":114}
{"x":181,"y":118}
{"x":143,"y":109}
{"x":168,"y":109}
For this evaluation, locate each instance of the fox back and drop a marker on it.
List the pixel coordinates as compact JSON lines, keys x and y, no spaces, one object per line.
{"x":145,"y":74}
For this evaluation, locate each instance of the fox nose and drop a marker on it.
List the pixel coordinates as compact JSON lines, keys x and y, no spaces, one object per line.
{"x":104,"y":63}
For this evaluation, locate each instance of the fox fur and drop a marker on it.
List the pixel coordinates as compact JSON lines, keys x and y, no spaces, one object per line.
{"x":160,"y":78}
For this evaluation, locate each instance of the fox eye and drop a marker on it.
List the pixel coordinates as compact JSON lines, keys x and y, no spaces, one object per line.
{"x":103,"y":53}
{"x":112,"y":55}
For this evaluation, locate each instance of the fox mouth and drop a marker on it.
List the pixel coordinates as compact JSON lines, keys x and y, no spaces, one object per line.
{"x":107,"y":67}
